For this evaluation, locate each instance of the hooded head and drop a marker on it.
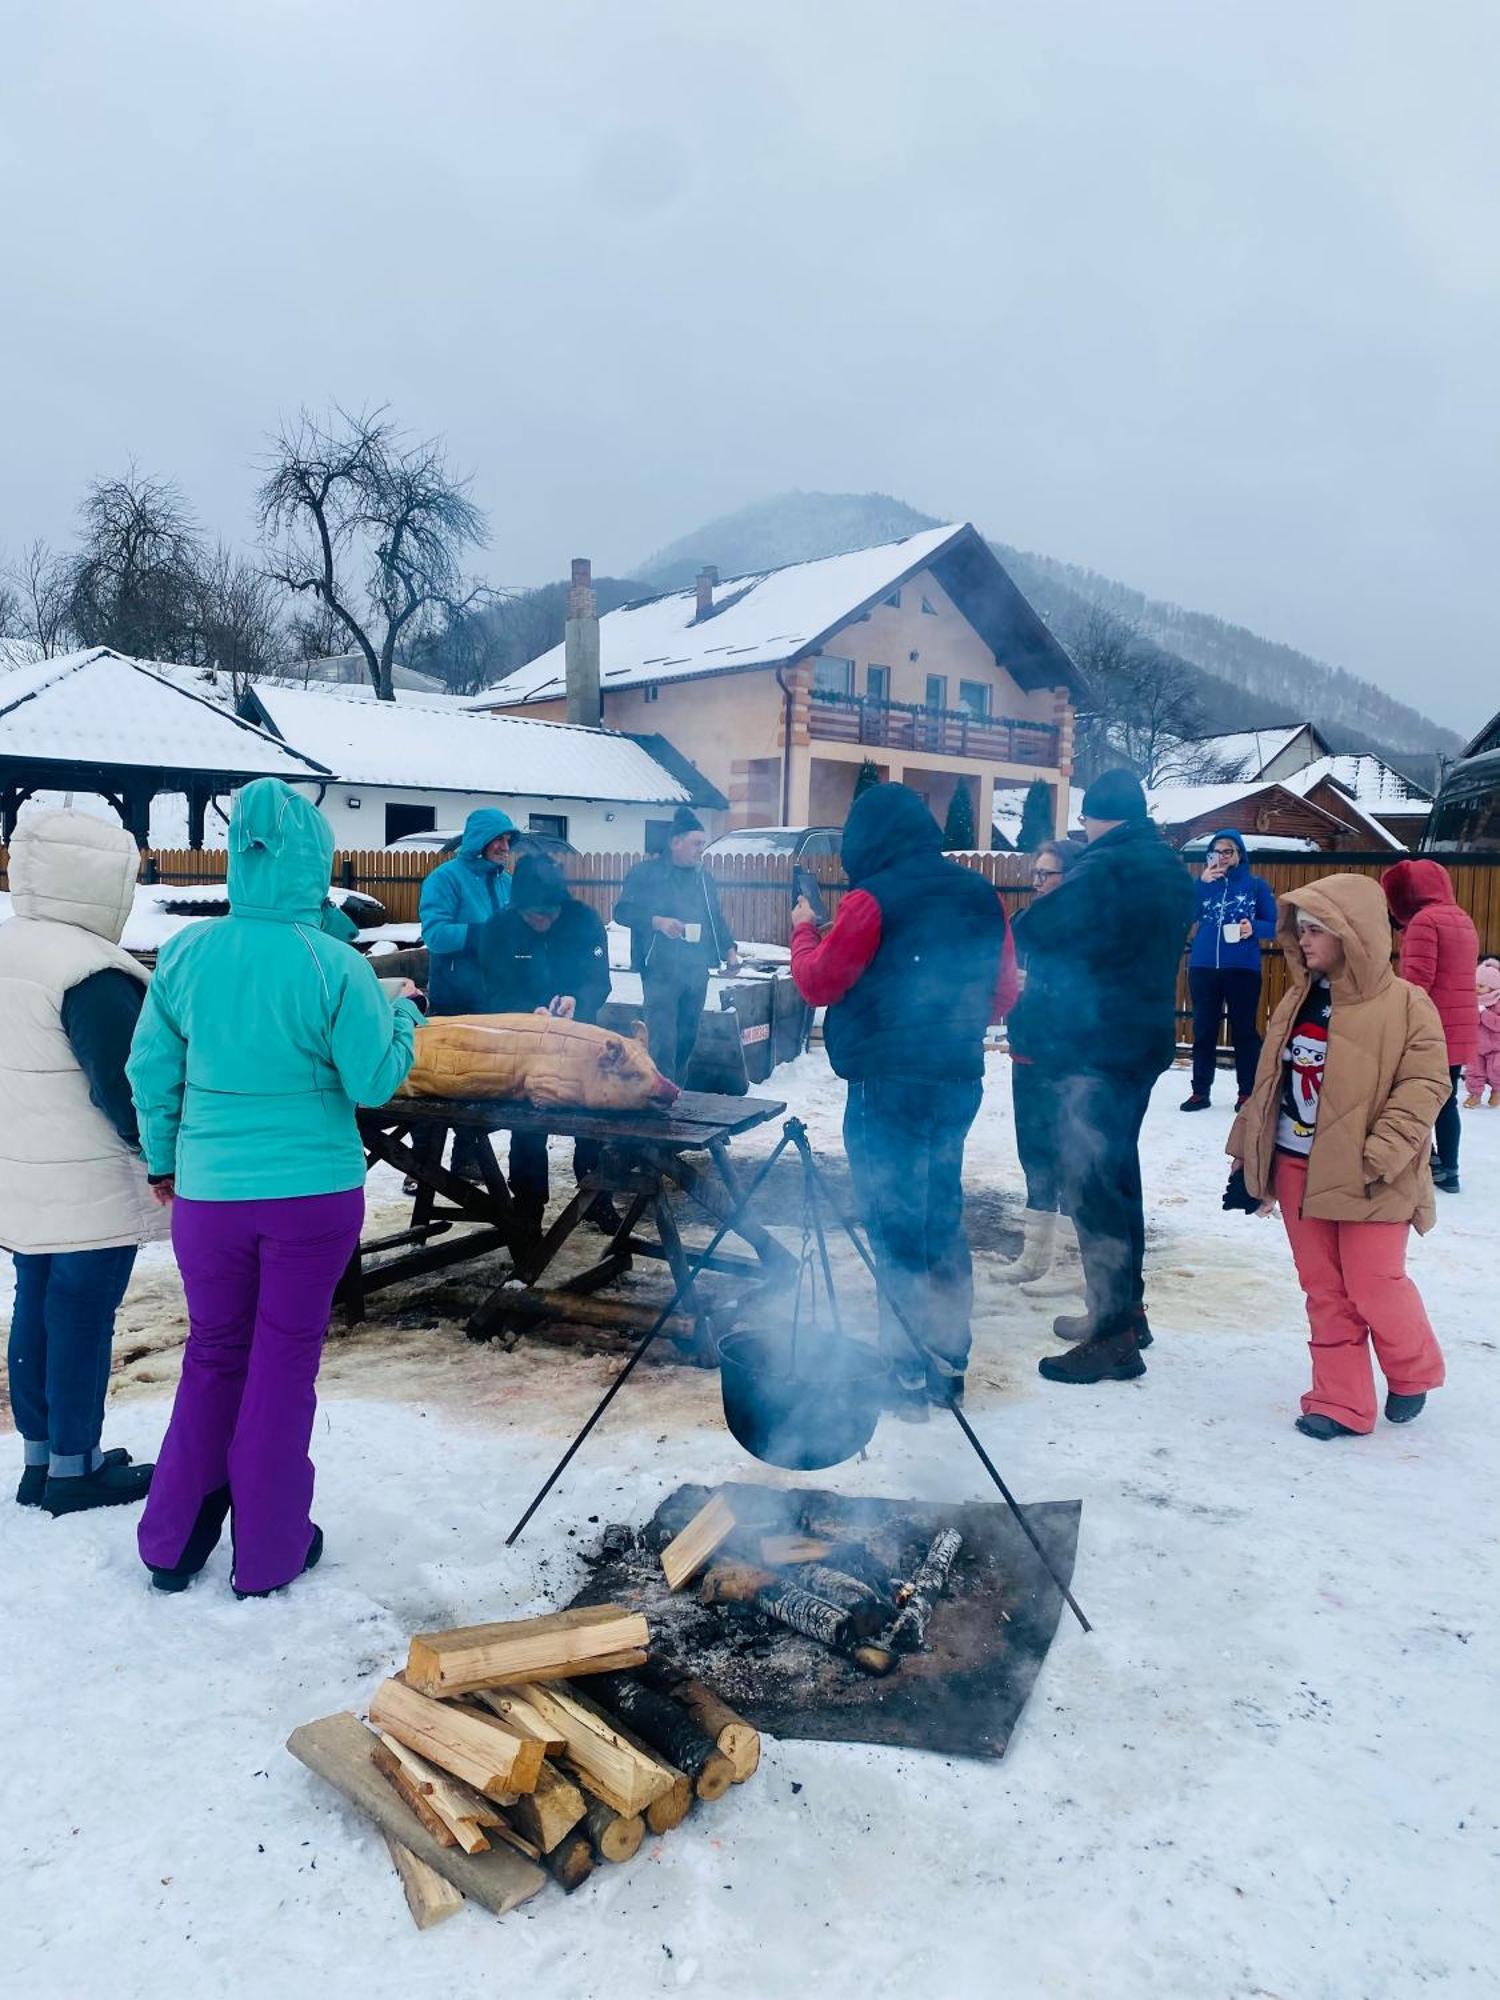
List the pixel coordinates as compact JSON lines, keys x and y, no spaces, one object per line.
{"x":538,"y":888}
{"x":1412,"y":885}
{"x":887,"y":823}
{"x":1353,"y":909}
{"x":1488,"y":982}
{"x":69,"y":868}
{"x":1228,"y":833}
{"x":485,"y":824}
{"x":280,"y":853}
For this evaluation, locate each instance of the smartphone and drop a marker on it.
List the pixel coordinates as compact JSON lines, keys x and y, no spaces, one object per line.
{"x":805,"y":883}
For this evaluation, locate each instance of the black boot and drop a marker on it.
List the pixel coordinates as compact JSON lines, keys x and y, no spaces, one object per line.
{"x":1197,"y":1102}
{"x":201,"y":1543}
{"x":1401,"y":1409}
{"x":1106,"y":1357}
{"x":1316,"y":1425}
{"x":110,"y":1484}
{"x":314,"y":1557}
{"x":1080,"y":1326}
{"x":33,"y":1483}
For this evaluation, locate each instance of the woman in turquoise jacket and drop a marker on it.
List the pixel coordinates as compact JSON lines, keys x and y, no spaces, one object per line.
{"x":260,"y":1034}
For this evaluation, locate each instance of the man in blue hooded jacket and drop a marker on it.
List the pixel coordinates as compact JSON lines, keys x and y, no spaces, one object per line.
{"x":458,"y":900}
{"x":1236,"y":910}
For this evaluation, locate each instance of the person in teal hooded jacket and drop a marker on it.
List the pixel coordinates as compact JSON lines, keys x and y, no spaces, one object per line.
{"x":260,"y":1034}
{"x":458,"y":900}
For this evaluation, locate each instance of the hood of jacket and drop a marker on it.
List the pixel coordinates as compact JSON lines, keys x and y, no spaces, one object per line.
{"x":888,"y":823}
{"x":538,"y":884}
{"x":484,"y":824}
{"x":69,"y":868}
{"x":1414,"y":885}
{"x":280,"y":854}
{"x":1488,"y":982}
{"x":1353,"y":908}
{"x":1229,"y":833}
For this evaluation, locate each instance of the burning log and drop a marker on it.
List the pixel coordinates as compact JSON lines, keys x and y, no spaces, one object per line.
{"x":813,"y":1617}
{"x":868,"y":1612}
{"x":784,"y":1551}
{"x":910,"y":1630}
{"x":666,"y":1727}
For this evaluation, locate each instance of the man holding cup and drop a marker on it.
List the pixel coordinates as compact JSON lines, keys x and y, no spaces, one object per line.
{"x":1236,"y":910}
{"x":670,"y":906}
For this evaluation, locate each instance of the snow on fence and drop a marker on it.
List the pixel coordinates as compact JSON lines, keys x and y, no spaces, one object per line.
{"x":757,"y":890}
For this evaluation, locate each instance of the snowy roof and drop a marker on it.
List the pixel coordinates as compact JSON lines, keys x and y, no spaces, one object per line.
{"x":1175,"y":805}
{"x":1245,"y":753}
{"x":352,"y":670}
{"x":99,"y":708}
{"x":772,"y":616}
{"x":418,"y":745}
{"x":1368,"y":780}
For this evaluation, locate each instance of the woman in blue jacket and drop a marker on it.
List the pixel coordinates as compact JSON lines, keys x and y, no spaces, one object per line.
{"x":1236,"y":910}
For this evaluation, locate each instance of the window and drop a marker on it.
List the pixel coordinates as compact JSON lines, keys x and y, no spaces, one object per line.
{"x":937,"y":691}
{"x":402,"y":820}
{"x":650,"y":691}
{"x":878,"y":683}
{"x":833,"y":676}
{"x":894,"y":600}
{"x":554,"y":823}
{"x":929,"y":609}
{"x":818,"y":846}
{"x":658,"y":833}
{"x":974,"y":699}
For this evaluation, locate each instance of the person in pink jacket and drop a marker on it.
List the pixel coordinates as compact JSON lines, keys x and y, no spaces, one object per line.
{"x":1484,"y":1071}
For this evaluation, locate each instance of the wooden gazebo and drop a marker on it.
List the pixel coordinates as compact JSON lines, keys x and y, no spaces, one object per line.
{"x":128,"y":730}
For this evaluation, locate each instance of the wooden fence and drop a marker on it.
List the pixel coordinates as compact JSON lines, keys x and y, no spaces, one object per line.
{"x":756,"y":890}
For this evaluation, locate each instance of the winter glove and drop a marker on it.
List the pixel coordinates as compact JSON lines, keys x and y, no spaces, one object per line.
{"x":1238,"y":1196}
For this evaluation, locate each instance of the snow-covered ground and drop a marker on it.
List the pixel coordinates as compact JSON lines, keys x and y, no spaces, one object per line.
{"x":1271,"y":1770}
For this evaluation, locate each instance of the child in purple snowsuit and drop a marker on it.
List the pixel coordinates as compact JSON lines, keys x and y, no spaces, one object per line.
{"x":260,"y":1034}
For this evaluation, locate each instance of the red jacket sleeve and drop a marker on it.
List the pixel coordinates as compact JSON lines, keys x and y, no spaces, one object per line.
{"x":1008,"y":985}
{"x":824,"y":968}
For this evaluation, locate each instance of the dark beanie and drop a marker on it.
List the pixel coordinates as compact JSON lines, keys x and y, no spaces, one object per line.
{"x":538,"y":884}
{"x":685,"y":820}
{"x":1115,"y":795}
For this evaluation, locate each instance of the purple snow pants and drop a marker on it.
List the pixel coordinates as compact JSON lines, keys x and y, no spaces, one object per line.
{"x":259,"y":1278}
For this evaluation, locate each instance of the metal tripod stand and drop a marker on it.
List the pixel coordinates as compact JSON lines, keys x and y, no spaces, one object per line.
{"x":794,"y":1134}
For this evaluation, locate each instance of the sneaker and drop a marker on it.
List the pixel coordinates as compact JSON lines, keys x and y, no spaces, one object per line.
{"x":1080,"y":1326}
{"x":1194,"y":1103}
{"x":1324,"y":1428}
{"x":201,"y":1544}
{"x":314,"y":1557}
{"x":1401,"y":1409}
{"x":1445,"y":1180}
{"x":110,"y":1484}
{"x":1107,"y":1357}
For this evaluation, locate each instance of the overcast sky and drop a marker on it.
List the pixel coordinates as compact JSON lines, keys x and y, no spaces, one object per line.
{"x":1203,"y":294}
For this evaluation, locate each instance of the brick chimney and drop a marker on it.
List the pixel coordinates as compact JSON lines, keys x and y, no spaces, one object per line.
{"x":708,"y":576}
{"x":581,"y":647}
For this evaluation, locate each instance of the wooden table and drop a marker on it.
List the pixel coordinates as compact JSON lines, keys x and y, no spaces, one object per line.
{"x":645,"y":1160}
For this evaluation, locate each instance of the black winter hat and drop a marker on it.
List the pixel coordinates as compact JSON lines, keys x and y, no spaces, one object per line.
{"x":538,"y":884}
{"x":685,"y":820}
{"x":1115,"y":795}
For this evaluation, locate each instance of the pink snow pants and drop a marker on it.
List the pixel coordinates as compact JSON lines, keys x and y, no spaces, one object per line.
{"x":1354,"y":1277}
{"x":1485,"y":1070}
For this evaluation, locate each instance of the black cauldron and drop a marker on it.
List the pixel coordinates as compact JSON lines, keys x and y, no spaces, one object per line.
{"x":801,"y":1405}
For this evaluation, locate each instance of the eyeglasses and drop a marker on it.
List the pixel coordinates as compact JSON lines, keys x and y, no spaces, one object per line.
{"x":1045,"y":874}
{"x":1225,"y":853}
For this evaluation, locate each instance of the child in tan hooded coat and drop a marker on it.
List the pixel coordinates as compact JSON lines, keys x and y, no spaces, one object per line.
{"x":1337,"y":1131}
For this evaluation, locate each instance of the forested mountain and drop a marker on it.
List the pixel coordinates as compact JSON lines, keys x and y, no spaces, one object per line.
{"x":1242,"y":680}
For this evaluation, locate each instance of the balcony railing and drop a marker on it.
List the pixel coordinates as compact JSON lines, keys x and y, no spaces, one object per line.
{"x":949,"y":732}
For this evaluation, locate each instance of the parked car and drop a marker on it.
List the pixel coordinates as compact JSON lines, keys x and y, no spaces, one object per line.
{"x":797,"y":843}
{"x":437,"y":841}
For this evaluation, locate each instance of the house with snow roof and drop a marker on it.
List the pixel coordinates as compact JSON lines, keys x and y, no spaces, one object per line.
{"x":1298,"y":756}
{"x":920,"y":655}
{"x":423,"y":762}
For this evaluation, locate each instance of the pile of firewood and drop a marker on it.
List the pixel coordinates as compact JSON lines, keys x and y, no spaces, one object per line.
{"x":826,"y":1589}
{"x":488,"y":1767}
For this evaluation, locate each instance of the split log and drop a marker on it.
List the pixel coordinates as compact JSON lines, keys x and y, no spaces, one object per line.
{"x":341,"y":1751}
{"x":547,"y":1815}
{"x":867,"y":1611}
{"x":571,"y":1862}
{"x":520,"y":1716}
{"x":439,"y":1813}
{"x":623,"y":1773}
{"x":612,"y":1836}
{"x":735,"y":1583}
{"x":473,"y":1747}
{"x":780,"y":1550}
{"x":450,"y":1797}
{"x":585,"y":1640}
{"x":390,"y":1769}
{"x":927,"y":1586}
{"x":666,"y":1727}
{"x":673,"y":1807}
{"x":686,"y":1554}
{"x":518,"y":1841}
{"x":429,"y":1896}
{"x":739,"y":1740}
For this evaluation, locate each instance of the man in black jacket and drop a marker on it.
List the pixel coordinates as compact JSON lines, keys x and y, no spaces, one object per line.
{"x":670,"y":906}
{"x":1104,"y":948}
{"x":545,"y":953}
{"x":916,"y":966}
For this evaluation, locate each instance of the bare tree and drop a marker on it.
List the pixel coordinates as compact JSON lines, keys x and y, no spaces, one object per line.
{"x":41,"y":582}
{"x":238,"y":633}
{"x":11,"y":615}
{"x":372,"y":527}
{"x":134,"y":582}
{"x":1143,"y":710}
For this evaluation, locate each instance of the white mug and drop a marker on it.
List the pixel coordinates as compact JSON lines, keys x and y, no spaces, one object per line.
{"x":1232,"y":932}
{"x":692,"y":933}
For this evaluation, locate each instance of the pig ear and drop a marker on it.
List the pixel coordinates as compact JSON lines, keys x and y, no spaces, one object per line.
{"x":638,"y":1033}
